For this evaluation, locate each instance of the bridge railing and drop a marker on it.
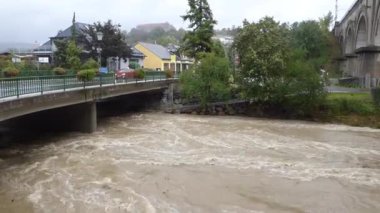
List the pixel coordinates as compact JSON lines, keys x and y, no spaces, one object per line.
{"x":15,"y":87}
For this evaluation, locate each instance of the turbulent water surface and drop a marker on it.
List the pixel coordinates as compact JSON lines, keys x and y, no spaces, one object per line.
{"x":153,"y":162}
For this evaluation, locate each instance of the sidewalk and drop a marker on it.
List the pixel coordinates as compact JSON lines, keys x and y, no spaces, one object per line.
{"x":338,"y":89}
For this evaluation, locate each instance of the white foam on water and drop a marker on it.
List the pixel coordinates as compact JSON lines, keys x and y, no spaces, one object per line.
{"x":100,"y":171}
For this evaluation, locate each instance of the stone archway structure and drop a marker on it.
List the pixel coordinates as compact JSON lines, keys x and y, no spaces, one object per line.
{"x":360,"y":29}
{"x":361,"y":33}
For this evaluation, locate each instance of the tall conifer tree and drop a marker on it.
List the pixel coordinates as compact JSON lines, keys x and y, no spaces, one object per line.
{"x":199,"y":39}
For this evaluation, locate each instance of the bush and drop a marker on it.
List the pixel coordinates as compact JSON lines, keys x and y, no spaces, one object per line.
{"x":300,"y":92}
{"x":346,"y":104}
{"x":134,"y":65}
{"x":86,"y":75}
{"x":169,"y":74}
{"x":376,"y":95}
{"x":140,"y":74}
{"x":208,"y":81}
{"x":59,"y":71}
{"x":11,"y":72}
{"x":5,"y":61}
{"x":90,"y":64}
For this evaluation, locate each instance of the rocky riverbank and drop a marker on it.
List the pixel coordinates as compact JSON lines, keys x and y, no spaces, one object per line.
{"x":232,"y":107}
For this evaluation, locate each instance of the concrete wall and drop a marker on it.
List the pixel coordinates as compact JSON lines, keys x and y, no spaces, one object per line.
{"x":359,"y":37}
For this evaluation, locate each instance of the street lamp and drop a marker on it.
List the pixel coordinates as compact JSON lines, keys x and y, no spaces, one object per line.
{"x":99,"y":36}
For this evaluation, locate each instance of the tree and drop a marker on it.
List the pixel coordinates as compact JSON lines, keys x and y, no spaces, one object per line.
{"x":73,"y":56}
{"x":309,"y":37}
{"x":113,"y":43}
{"x":318,"y":43}
{"x":208,"y":80}
{"x":202,"y":23}
{"x":301,"y":91}
{"x":263,"y":51}
{"x":273,"y":72}
{"x":68,"y":54}
{"x":326,"y":22}
{"x":218,"y":48}
{"x":60,"y":53}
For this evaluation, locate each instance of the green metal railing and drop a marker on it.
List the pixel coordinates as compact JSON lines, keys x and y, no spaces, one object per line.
{"x":15,"y":87}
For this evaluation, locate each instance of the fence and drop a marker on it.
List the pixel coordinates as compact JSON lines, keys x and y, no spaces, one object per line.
{"x":15,"y":87}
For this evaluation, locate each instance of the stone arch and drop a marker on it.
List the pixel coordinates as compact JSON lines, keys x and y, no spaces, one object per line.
{"x":349,"y":41}
{"x":376,"y":35}
{"x":361,"y":33}
{"x":376,"y":26}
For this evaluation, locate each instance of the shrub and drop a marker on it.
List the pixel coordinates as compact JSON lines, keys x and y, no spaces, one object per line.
{"x":140,"y":74}
{"x":134,"y":65}
{"x":86,"y":75}
{"x":5,"y":61}
{"x":11,"y":72}
{"x":345,"y":104}
{"x":169,"y":74}
{"x":90,"y":64}
{"x":208,"y":81}
{"x":376,"y":95}
{"x":59,"y":71}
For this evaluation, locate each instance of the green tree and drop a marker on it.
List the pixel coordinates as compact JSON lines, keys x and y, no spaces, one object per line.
{"x":60,"y":53}
{"x":273,"y":72}
{"x":309,"y":37}
{"x":218,"y":48}
{"x":316,"y":40}
{"x":326,"y":22}
{"x":113,"y":43}
{"x":300,"y":91}
{"x":73,"y":56}
{"x":199,"y":39}
{"x":263,"y":51}
{"x":68,"y":54}
{"x":208,"y":80}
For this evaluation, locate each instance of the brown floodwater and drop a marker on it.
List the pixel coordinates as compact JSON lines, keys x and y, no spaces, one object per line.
{"x":155,"y":162}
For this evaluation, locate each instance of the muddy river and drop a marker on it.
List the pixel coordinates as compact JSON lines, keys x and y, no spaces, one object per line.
{"x":154,"y":162}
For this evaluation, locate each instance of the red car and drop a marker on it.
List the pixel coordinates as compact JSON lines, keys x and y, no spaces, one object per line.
{"x":125,"y":73}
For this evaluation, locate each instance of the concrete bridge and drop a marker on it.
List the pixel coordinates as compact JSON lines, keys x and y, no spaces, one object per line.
{"x":359,"y":36}
{"x":76,"y":107}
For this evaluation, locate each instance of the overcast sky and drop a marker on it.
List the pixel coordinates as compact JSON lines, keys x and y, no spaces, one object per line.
{"x":37,"y":20}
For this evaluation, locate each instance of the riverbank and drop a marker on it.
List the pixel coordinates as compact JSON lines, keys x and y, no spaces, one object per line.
{"x":353,"y":109}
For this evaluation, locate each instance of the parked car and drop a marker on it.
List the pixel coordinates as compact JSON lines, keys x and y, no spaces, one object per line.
{"x":125,"y":73}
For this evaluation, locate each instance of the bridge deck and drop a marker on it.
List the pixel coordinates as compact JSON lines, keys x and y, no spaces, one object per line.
{"x":14,"y":88}
{"x":34,"y":98}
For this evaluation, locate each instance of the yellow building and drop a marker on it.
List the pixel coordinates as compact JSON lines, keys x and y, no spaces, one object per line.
{"x":160,"y":58}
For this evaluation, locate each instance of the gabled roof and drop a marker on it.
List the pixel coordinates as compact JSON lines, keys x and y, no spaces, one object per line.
{"x":136,"y":53}
{"x":45,"y":47}
{"x":80,"y":27}
{"x":156,"y":49}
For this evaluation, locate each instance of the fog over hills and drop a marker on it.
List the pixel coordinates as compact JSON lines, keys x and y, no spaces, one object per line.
{"x":17,"y":46}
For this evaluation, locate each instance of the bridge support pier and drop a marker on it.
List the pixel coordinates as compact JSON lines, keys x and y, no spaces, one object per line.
{"x":86,"y":117}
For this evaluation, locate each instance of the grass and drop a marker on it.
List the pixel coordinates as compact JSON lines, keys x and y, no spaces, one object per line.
{"x":351,"y":109}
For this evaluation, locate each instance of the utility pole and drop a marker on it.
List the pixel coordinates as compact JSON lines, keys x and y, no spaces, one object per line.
{"x":336,"y":11}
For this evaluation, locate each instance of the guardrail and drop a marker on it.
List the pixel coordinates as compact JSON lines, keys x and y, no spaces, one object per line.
{"x":15,"y":87}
